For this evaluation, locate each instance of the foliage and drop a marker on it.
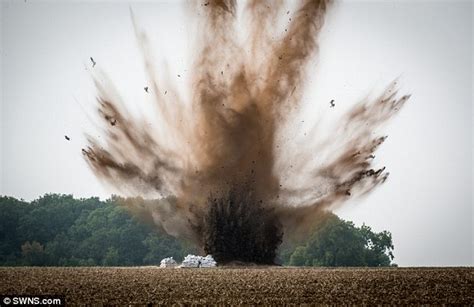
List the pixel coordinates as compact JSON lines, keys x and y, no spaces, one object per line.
{"x":336,"y":242}
{"x":58,"y":230}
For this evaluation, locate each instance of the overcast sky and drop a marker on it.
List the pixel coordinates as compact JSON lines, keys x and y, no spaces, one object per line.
{"x":46,"y":93}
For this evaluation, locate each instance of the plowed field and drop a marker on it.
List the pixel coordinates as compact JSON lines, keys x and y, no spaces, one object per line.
{"x":267,"y":285}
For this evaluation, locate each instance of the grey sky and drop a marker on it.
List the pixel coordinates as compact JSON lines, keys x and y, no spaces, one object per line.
{"x":46,"y":92}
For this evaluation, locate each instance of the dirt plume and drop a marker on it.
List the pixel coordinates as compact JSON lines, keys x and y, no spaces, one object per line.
{"x":211,"y":170}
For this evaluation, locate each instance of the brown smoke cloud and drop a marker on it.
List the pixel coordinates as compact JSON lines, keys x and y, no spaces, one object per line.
{"x":228,"y":137}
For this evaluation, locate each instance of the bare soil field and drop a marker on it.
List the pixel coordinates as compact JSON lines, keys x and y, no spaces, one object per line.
{"x":253,"y":285}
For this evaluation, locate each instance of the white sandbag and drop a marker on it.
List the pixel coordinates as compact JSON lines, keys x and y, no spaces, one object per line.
{"x":208,"y":262}
{"x":168,"y":263}
{"x":193,"y":261}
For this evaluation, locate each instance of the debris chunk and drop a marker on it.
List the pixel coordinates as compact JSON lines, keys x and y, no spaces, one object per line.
{"x":67,"y":138}
{"x":332,"y":104}
{"x":93,"y":62}
{"x":146,"y":89}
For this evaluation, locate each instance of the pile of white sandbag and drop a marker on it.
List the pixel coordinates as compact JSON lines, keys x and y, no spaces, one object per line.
{"x":192,"y":261}
{"x":168,"y":263}
{"x":208,"y":262}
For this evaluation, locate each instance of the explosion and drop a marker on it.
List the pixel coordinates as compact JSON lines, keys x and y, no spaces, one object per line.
{"x":214,"y":170}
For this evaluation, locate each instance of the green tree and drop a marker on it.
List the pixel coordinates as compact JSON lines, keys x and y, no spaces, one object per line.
{"x":111,"y":257}
{"x":33,"y":253}
{"x":336,"y":242}
{"x":299,"y":257}
{"x":11,"y":211}
{"x":378,"y":247}
{"x":58,"y":250}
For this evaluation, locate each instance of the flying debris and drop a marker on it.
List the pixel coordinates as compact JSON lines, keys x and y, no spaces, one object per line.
{"x":348,"y":192}
{"x":370,"y":172}
{"x":67,"y":138}
{"x":371,"y":157}
{"x":378,"y":172}
{"x":356,"y":154}
{"x":146,"y":89}
{"x":332,"y":104}
{"x":206,"y":4}
{"x":179,"y":76}
{"x":166,"y":92}
{"x":294,"y":88}
{"x":93,"y":62}
{"x":113,"y":122}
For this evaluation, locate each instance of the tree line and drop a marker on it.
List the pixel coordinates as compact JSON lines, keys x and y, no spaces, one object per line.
{"x":59,"y":230}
